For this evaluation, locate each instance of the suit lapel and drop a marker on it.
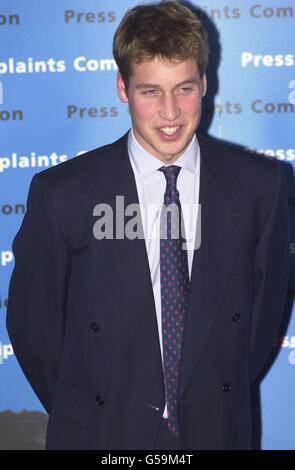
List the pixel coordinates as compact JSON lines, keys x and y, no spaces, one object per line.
{"x":219,"y":199}
{"x":130,"y":272}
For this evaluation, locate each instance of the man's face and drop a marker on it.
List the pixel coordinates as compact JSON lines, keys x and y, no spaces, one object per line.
{"x":165,"y":105}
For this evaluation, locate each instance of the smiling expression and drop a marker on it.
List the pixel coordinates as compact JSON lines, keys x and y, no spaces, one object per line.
{"x":165,"y":100}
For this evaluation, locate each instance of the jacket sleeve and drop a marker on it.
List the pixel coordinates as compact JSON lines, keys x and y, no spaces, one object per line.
{"x":271,"y":277}
{"x":37,"y":293}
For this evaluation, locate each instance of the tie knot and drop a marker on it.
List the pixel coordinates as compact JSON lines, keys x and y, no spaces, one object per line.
{"x":171,"y":173}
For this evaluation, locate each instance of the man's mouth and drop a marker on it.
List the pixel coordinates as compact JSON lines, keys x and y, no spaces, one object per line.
{"x":169,"y":130}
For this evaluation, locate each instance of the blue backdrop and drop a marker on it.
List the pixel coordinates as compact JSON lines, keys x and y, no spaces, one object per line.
{"x":58,"y":98}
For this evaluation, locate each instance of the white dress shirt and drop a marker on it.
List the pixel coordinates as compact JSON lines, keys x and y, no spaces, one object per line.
{"x":151,"y":186}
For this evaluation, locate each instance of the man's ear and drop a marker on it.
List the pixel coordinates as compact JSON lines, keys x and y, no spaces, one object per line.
{"x":204,"y":85}
{"x":121,"y":88}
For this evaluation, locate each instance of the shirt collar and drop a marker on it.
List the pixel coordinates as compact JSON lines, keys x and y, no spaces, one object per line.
{"x":144,"y":163}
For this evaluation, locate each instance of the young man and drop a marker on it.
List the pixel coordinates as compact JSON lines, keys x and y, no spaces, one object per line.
{"x":134,"y":342}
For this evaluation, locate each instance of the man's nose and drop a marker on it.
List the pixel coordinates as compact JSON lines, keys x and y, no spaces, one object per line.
{"x":169,"y":108}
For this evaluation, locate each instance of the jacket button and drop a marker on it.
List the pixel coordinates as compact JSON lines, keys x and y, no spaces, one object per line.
{"x":236,"y":317}
{"x":226,"y":387}
{"x":94,"y":326}
{"x":99,"y":400}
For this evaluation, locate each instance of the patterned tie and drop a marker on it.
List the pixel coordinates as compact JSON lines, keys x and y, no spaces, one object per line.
{"x":174,"y":290}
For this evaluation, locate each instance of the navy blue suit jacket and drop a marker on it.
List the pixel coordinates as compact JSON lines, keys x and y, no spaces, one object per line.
{"x":81,"y":313}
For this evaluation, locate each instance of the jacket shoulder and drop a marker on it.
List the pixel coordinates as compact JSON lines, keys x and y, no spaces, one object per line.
{"x":249,"y":167}
{"x":79,"y":172}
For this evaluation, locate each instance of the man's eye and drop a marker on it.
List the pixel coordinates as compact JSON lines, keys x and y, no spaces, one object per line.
{"x":186,"y":89}
{"x":149,"y":92}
